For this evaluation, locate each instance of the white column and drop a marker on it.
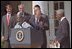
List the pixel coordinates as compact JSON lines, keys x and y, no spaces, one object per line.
{"x":51,"y":20}
{"x":67,"y":6}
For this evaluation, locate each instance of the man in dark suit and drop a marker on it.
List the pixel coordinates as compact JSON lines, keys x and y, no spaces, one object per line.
{"x":6,"y":24}
{"x":40,"y":22}
{"x":62,"y":34}
{"x":21,"y":16}
{"x":26,"y":16}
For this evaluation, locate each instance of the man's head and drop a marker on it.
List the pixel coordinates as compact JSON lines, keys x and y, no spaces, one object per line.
{"x":21,"y":8}
{"x":37,"y":10}
{"x":9,"y":8}
{"x":19,"y":17}
{"x":59,"y":13}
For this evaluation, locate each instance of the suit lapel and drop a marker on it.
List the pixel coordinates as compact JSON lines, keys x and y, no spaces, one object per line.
{"x":5,"y":20}
{"x":11,"y":19}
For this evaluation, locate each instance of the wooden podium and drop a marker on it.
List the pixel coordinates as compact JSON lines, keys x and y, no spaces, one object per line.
{"x":26,"y":38}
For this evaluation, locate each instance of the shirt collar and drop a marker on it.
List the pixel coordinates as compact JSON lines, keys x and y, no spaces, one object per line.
{"x":62,"y":18}
{"x":8,"y":14}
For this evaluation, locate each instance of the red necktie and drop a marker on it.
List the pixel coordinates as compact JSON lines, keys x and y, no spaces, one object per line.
{"x":8,"y":19}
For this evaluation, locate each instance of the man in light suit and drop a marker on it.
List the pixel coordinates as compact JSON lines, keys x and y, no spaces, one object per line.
{"x":6,"y":24}
{"x":62,"y":33}
{"x":40,"y":22}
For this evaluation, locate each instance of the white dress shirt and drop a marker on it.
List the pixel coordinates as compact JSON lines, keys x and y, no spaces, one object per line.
{"x":62,"y":18}
{"x":8,"y":14}
{"x":36,"y":19}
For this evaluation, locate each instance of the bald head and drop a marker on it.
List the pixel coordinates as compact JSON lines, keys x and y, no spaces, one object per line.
{"x":19,"y":17}
{"x":59,"y":13}
{"x":21,"y":7}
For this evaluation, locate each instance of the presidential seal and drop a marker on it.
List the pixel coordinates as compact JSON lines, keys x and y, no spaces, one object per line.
{"x":19,"y":35}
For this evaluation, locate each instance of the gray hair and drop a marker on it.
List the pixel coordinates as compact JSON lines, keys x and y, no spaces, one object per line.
{"x":60,"y":11}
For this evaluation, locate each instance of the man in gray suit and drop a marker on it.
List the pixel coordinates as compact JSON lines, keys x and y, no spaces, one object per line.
{"x":62,"y":34}
{"x":6,"y":24}
{"x":40,"y":22}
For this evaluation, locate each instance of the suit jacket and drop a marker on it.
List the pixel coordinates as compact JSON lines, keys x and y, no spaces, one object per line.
{"x":42,"y":28}
{"x":45,"y":21}
{"x":5,"y":29}
{"x":62,"y":34}
{"x":26,"y":16}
